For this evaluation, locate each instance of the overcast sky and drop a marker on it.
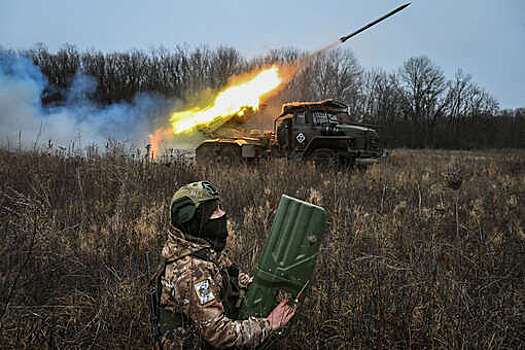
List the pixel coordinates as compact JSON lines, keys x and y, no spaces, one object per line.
{"x":486,"y":38}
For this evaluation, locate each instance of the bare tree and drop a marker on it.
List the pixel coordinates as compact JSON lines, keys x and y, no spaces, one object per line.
{"x":337,"y":74}
{"x":383,"y":97}
{"x":424,"y":84}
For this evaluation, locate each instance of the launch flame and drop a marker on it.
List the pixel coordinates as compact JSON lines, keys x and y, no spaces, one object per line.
{"x":234,"y":100}
{"x":238,"y":98}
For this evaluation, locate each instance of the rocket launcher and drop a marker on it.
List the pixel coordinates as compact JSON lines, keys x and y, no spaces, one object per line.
{"x":288,"y":258}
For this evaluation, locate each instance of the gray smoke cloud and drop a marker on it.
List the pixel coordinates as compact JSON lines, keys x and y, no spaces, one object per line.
{"x":25,"y":122}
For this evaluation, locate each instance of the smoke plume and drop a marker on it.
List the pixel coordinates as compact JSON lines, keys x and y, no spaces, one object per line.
{"x":26,"y":123}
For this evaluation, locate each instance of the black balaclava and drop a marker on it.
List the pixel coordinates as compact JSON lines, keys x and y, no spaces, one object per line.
{"x":201,"y":227}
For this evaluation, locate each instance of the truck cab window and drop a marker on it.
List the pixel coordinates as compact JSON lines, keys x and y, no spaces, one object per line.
{"x":300,"y":118}
{"x":321,"y":117}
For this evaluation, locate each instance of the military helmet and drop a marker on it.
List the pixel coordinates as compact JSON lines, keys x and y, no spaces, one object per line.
{"x":188,"y":198}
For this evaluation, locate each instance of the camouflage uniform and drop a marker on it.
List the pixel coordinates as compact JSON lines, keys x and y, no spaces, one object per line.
{"x":193,"y":294}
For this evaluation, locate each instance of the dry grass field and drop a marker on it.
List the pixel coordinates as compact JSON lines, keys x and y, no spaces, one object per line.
{"x":425,"y":250}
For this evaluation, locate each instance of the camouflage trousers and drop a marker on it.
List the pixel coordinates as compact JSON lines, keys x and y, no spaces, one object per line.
{"x":183,"y":339}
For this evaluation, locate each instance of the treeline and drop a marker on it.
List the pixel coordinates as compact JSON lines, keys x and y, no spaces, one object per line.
{"x":120,"y":77}
{"x":415,"y":106}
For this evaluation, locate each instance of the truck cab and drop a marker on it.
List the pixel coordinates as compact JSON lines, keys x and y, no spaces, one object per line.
{"x":318,"y":131}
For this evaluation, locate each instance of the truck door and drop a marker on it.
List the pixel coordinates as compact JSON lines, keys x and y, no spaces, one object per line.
{"x":284,"y":131}
{"x":299,"y":134}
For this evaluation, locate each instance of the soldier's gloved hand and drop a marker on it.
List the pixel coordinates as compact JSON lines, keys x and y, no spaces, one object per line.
{"x":281,"y":315}
{"x":245,"y":279}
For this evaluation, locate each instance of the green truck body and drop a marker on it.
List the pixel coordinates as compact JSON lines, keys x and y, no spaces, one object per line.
{"x":304,"y":131}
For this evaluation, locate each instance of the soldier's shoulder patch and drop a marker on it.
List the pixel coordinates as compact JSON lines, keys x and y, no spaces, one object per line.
{"x":204,"y":292}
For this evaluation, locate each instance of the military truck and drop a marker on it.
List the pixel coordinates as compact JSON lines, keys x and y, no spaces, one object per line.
{"x":307,"y":131}
{"x":320,"y":132}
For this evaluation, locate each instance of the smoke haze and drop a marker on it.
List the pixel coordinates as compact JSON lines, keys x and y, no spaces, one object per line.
{"x":25,"y":122}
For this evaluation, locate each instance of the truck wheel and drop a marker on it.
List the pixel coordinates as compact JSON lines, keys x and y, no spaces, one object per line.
{"x":323,"y":157}
{"x":218,"y":153}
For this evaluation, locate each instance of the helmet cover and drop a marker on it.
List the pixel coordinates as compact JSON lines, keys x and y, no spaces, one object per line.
{"x":189,"y":198}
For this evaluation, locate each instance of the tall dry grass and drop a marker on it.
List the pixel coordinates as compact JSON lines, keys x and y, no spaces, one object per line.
{"x":425,"y":250}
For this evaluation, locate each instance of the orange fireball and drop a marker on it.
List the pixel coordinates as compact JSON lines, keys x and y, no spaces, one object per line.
{"x":243,"y":94}
{"x":231,"y":101}
{"x":156,"y":138}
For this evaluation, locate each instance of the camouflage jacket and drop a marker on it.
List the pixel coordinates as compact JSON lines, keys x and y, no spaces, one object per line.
{"x":196,"y":288}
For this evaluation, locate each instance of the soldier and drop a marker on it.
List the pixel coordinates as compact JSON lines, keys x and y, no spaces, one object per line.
{"x":198,"y":286}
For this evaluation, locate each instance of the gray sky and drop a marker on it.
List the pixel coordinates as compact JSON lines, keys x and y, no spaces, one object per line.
{"x":486,"y":38}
